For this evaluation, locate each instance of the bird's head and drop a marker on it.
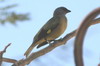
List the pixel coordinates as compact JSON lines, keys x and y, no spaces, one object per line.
{"x":61,"y":11}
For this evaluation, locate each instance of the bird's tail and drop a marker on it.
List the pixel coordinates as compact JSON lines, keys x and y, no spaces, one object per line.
{"x":29,"y":49}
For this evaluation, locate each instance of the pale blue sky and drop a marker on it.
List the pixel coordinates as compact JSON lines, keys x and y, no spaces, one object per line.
{"x":21,"y":36}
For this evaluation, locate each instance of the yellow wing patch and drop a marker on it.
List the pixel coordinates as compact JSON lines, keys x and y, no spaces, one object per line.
{"x":49,"y":31}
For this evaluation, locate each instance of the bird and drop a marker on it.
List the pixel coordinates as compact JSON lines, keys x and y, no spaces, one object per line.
{"x":54,"y":28}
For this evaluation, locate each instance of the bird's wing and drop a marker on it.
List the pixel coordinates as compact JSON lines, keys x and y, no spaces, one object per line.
{"x":47,"y":28}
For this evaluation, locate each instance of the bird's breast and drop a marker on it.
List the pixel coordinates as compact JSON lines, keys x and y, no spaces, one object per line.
{"x":62,"y":25}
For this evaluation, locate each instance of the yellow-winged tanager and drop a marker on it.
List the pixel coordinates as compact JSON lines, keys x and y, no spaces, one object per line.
{"x":51,"y":30}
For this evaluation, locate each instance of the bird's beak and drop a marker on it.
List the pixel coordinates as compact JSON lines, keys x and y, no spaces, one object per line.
{"x":69,"y":11}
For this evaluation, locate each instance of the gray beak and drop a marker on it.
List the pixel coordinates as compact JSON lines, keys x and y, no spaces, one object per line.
{"x":69,"y":11}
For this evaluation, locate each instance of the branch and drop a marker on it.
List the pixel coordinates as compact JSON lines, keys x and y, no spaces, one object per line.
{"x":99,"y":64}
{"x":50,"y":47}
{"x":80,"y":34}
{"x":9,"y":60}
{"x":2,"y":52}
{"x":6,"y":59}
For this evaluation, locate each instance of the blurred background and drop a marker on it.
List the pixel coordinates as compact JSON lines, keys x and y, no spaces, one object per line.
{"x":20,"y":20}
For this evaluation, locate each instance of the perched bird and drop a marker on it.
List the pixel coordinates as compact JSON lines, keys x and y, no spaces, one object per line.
{"x":51,"y":30}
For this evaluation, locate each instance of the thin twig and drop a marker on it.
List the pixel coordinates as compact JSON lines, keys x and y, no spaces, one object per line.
{"x":2,"y":52}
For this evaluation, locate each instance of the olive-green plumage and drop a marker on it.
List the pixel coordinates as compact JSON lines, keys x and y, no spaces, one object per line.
{"x":51,"y":30}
